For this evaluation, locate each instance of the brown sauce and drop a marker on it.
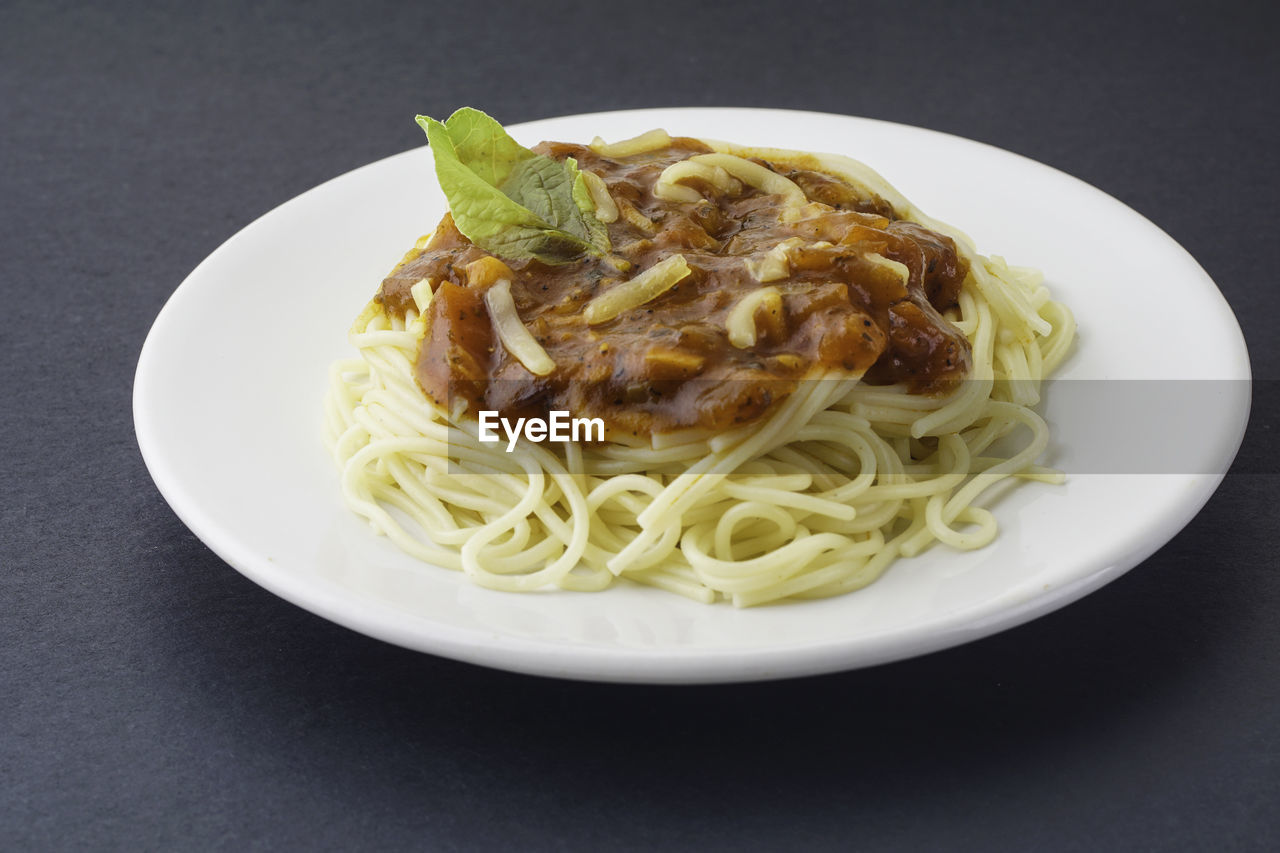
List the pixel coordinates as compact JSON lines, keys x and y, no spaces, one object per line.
{"x":669,"y":364}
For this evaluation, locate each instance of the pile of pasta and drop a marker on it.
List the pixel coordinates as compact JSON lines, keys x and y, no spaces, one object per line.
{"x":816,"y":499}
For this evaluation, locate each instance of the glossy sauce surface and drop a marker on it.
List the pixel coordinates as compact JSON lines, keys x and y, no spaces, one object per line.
{"x":669,"y":364}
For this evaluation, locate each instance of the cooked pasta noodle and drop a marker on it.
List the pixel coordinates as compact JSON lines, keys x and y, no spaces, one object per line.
{"x":817,"y":498}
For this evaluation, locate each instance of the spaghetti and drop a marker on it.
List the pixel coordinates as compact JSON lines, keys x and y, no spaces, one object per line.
{"x":816,"y":495}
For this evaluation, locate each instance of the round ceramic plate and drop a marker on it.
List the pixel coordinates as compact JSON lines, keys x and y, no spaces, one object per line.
{"x":227,"y":406}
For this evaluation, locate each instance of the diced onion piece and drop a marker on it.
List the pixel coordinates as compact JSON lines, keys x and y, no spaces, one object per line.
{"x":741,"y":322}
{"x":422,"y":293}
{"x":518,"y":340}
{"x":753,"y":174}
{"x":668,"y":186}
{"x":665,"y":363}
{"x":606,"y":210}
{"x":899,"y":269}
{"x":647,"y":141}
{"x":775,"y":265}
{"x":789,"y":361}
{"x":483,"y":272}
{"x":647,"y":285}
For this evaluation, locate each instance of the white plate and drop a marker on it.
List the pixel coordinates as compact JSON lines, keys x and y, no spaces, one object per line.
{"x":227,"y":406}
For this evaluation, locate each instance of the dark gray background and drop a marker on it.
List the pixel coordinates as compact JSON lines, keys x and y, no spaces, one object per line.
{"x":150,"y":697}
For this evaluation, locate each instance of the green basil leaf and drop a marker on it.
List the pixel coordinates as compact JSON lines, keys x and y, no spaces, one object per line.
{"x":542,"y":185}
{"x":483,"y":146}
{"x":508,"y":200}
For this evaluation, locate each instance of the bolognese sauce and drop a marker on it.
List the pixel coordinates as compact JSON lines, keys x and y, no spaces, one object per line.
{"x":842,"y":286}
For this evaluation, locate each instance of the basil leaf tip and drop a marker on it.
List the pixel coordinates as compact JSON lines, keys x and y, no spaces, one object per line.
{"x":508,"y":200}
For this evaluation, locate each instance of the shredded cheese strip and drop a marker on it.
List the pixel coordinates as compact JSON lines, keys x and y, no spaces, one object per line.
{"x":668,"y":187}
{"x":648,"y":141}
{"x":636,"y":219}
{"x":631,"y":294}
{"x":741,"y":322}
{"x":675,"y":192}
{"x":422,"y":293}
{"x":755,"y":175}
{"x":606,"y":209}
{"x":515,"y":336}
{"x":899,"y":269}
